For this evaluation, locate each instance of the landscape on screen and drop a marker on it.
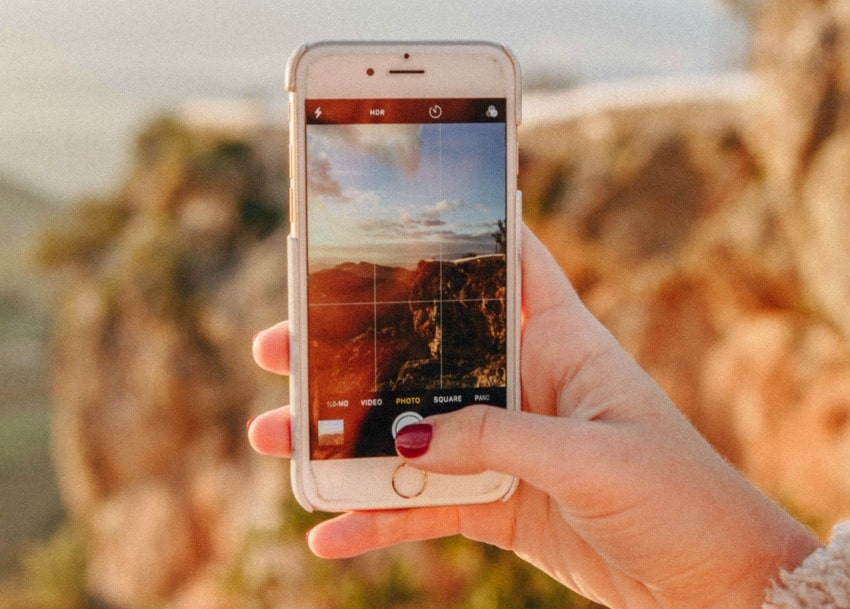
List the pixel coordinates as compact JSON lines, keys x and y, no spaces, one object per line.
{"x":406,"y":257}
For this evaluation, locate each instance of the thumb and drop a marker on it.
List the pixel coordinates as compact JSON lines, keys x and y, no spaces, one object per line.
{"x":536,"y":448}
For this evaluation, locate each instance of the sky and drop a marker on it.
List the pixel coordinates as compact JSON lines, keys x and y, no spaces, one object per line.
{"x":80,"y":76}
{"x":394,"y":194}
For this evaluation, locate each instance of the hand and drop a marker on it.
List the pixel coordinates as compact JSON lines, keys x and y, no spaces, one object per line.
{"x":620,"y":498}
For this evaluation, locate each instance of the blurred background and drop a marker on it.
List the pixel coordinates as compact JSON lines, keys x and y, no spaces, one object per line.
{"x":687,"y":162}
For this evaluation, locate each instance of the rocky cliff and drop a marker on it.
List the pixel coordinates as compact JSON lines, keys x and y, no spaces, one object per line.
{"x":458,"y":310}
{"x":441,"y":325}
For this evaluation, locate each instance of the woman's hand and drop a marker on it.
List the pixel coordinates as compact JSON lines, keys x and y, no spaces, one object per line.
{"x":620,"y":498}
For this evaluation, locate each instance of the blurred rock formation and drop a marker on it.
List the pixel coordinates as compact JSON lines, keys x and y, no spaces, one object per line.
{"x":712,"y":239}
{"x":153,"y":378}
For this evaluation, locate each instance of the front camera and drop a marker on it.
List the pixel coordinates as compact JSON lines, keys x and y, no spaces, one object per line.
{"x":407,"y":55}
{"x":370,"y":71}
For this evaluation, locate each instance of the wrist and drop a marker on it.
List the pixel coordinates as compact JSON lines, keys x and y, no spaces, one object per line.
{"x":821,"y":579}
{"x":762,"y":545}
{"x":783,"y":547}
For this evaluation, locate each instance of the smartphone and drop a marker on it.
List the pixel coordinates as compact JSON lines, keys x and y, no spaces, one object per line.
{"x":403,"y":251}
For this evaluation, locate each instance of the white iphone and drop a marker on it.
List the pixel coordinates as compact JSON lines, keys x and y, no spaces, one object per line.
{"x":404,"y":287}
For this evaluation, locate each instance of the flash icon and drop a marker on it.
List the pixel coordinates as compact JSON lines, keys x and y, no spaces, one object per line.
{"x":318,"y":112}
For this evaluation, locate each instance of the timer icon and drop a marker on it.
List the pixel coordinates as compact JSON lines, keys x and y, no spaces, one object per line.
{"x":435,"y":111}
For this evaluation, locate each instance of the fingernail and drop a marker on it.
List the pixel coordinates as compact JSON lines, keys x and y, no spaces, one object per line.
{"x":413,"y":441}
{"x":248,"y":424}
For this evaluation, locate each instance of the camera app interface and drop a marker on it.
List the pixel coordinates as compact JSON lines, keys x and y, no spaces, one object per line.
{"x":407,"y":289}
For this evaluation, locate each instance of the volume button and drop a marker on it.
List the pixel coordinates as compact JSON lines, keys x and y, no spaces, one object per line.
{"x":518,"y":216}
{"x":293,"y":215}
{"x":519,"y":228}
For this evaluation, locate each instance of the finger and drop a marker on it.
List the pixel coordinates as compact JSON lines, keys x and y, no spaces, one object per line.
{"x":545,"y":285}
{"x":560,"y":336}
{"x":354,"y":533}
{"x":269,"y":433}
{"x":358,"y":532}
{"x":271,"y":348}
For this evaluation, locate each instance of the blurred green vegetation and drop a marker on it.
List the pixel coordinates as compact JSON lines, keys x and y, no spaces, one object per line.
{"x":170,"y":162}
{"x":86,"y":233}
{"x":52,"y":575}
{"x":134,"y":242}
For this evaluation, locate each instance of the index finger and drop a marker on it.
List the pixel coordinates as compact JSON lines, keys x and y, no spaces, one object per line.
{"x":271,"y":348}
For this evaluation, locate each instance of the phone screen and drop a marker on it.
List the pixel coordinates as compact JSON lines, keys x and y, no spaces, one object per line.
{"x":406,"y":265}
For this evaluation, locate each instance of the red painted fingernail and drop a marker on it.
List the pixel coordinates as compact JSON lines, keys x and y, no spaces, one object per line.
{"x":413,"y":441}
{"x":248,"y":424}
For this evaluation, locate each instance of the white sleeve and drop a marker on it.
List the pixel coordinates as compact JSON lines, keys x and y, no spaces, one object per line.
{"x":822,"y":581}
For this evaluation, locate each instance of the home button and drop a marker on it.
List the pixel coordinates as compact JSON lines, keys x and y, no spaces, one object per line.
{"x":409,"y":482}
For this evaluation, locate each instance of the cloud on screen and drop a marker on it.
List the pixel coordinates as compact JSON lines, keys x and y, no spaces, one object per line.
{"x":398,"y":146}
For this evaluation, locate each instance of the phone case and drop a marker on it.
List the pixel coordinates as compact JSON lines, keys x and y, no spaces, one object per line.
{"x":302,"y":479}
